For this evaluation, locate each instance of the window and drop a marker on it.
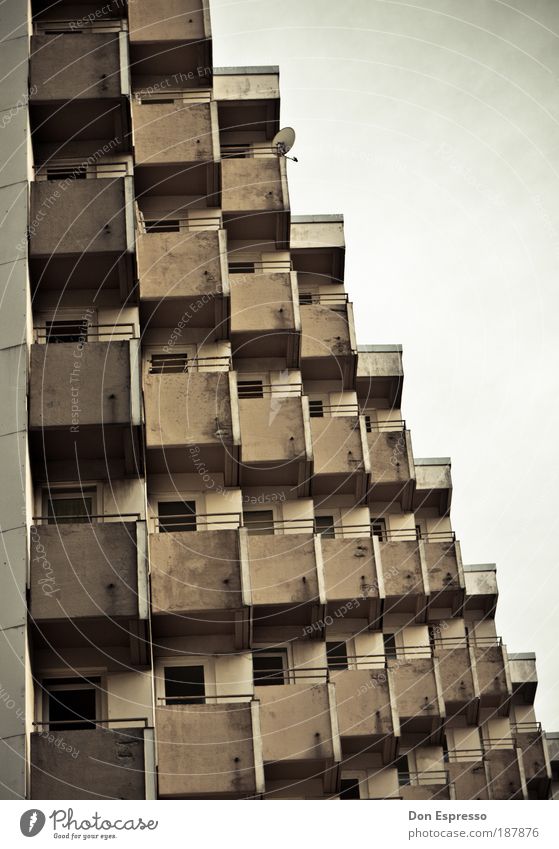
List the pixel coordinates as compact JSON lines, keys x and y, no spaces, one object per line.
{"x":403,"y":768}
{"x":316,"y":409}
{"x":185,"y":685}
{"x":176,"y":363}
{"x":259,"y":521}
{"x":336,"y":655}
{"x":71,"y":703}
{"x":305,"y":298}
{"x":176,"y":516}
{"x":66,"y":331}
{"x":368,"y":424}
{"x":242,"y":267}
{"x":167,"y":225}
{"x":378,"y":529}
{"x":349,"y":788}
{"x":250,"y":388}
{"x":70,"y":505}
{"x":269,"y":667}
{"x":390,"y":651}
{"x":324,"y":525}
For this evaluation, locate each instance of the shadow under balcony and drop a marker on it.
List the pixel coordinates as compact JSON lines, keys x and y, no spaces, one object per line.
{"x":265,"y":320}
{"x":208,"y":750}
{"x":114,"y":762}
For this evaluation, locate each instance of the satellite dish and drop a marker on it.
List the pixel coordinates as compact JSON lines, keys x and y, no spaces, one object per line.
{"x":284,"y":141}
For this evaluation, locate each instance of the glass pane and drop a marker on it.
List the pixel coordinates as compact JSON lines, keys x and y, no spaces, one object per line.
{"x":176,"y":516}
{"x":70,"y":510}
{"x":185,"y":685}
{"x":67,"y":705}
{"x":269,"y":668}
{"x":336,"y":655}
{"x":66,"y":331}
{"x":259,"y":521}
{"x":325,"y":526}
{"x":349,"y":788}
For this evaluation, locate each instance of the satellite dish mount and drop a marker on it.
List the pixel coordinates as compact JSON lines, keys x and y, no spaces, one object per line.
{"x":283,"y":142}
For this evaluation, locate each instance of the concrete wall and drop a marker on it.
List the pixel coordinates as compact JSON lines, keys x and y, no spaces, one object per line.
{"x":261,"y":302}
{"x":272,"y":430}
{"x":282,"y":569}
{"x":174,"y":265}
{"x":253,"y":185}
{"x":325,"y":332}
{"x":168,"y":21}
{"x":171,"y":132}
{"x":15,"y":320}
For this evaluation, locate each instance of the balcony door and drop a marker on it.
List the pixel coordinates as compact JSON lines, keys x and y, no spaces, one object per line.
{"x":185,"y":685}
{"x":72,"y":505}
{"x":72,"y":704}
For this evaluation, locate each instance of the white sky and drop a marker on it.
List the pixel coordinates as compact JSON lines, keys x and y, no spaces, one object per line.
{"x":433,"y":127}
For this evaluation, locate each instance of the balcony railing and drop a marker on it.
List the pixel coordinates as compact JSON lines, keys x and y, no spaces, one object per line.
{"x":334,"y":301}
{"x":179,"y":224}
{"x":423,"y":779}
{"x":266,"y":390}
{"x":333,"y":410}
{"x":260,"y":266}
{"x":527,"y":728}
{"x":391,"y":426}
{"x":247,"y":151}
{"x":92,"y":723}
{"x":81,"y":169}
{"x":178,"y":522}
{"x":403,"y":535}
{"x":181,"y":364}
{"x":82,"y":331}
{"x":58,"y":26}
{"x":159,"y":94}
{"x":92,"y":519}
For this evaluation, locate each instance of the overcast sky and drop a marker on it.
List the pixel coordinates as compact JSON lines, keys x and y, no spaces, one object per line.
{"x":433,"y":127}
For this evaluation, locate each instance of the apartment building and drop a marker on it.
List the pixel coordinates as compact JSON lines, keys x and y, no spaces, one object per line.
{"x":226,"y":575}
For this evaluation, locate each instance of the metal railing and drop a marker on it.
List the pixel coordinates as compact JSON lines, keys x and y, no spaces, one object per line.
{"x":388,"y":426}
{"x":527,"y":728}
{"x":179,"y":225}
{"x":182,"y":364}
{"x":268,"y":390}
{"x":84,"y":332}
{"x":247,"y":151}
{"x":192,"y":521}
{"x":330,"y":300}
{"x":279,"y":526}
{"x":61,"y":26}
{"x":61,"y":169}
{"x":423,"y":779}
{"x":206,"y":699}
{"x":87,"y":518}
{"x":403,"y":535}
{"x":266,"y":266}
{"x":332,"y":410}
{"x":169,"y":95}
{"x":96,"y":722}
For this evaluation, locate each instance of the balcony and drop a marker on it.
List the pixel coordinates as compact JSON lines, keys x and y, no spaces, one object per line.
{"x":367,"y":719}
{"x":208,"y":750}
{"x":428,"y":785}
{"x":85,"y":381}
{"x":491,"y":666}
{"x":380,"y":375}
{"x":530,"y":739}
{"x":328,"y":345}
{"x":419,"y":702}
{"x":183,"y":273}
{"x":197,"y":411}
{"x":170,"y":22}
{"x":404,"y":574}
{"x":480,"y":581}
{"x":468,"y":773}
{"x":433,"y":487}
{"x":524,"y":677}
{"x":443,"y":564}
{"x":196,"y":579}
{"x":88,"y":568}
{"x":341,"y":460}
{"x":459,"y":690}
{"x":505,"y":772}
{"x":265,"y":320}
{"x":96,"y":763}
{"x":255,"y":199}
{"x":284,"y":580}
{"x":299,"y":736}
{"x":171,"y":133}
{"x":276,"y":448}
{"x":352,"y":583}
{"x":392,"y":464}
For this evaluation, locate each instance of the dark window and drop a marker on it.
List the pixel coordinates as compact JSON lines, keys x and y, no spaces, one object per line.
{"x":390,"y":651}
{"x":176,"y":516}
{"x":316,"y":409}
{"x":69,"y":506}
{"x":169,"y":363}
{"x":242,"y":268}
{"x":403,"y":771}
{"x":167,"y":225}
{"x":349,"y":788}
{"x":259,"y":521}
{"x":368,"y":424}
{"x":324,"y":525}
{"x":268,"y":667}
{"x":250,"y":389}
{"x":378,"y":529}
{"x":184,"y":685}
{"x":336,"y":655}
{"x":306,"y":298}
{"x":66,"y":331}
{"x":71,"y":703}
